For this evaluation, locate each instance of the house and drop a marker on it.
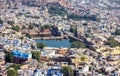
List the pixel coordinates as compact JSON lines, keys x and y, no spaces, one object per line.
{"x":21,"y":57}
{"x":1,"y":47}
{"x":62,"y":51}
{"x":26,"y":72}
{"x":44,"y":33}
{"x":2,"y":58}
{"x":74,"y":60}
{"x":28,"y":68}
{"x":64,"y":61}
{"x":107,"y":50}
{"x":41,"y":33}
{"x":82,"y":70}
{"x":115,"y":51}
{"x":54,"y":71}
{"x":49,"y":53}
{"x":38,"y":72}
{"x":2,"y":70}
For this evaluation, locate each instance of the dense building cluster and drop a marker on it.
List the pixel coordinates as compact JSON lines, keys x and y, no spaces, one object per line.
{"x":93,"y":26}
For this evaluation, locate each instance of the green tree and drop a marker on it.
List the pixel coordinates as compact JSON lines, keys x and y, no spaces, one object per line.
{"x":117,"y":32}
{"x":83,"y":58}
{"x":9,"y":57}
{"x":21,"y":38}
{"x":112,"y":42}
{"x":78,"y":44}
{"x":28,"y":35}
{"x":56,"y":9}
{"x":10,"y":22}
{"x":85,"y":24}
{"x":73,"y":30}
{"x":41,"y":45}
{"x":31,"y":26}
{"x":67,"y":71}
{"x":89,"y":31}
{"x":87,"y":34}
{"x":42,"y":28}
{"x":47,"y":26}
{"x":23,"y":27}
{"x":50,"y":59}
{"x":36,"y":55}
{"x":1,"y":21}
{"x":16,"y":28}
{"x":11,"y":72}
{"x":15,"y":66}
{"x":85,"y":17}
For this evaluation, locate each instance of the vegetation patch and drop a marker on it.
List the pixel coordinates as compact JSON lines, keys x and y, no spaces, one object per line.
{"x":56,"y":9}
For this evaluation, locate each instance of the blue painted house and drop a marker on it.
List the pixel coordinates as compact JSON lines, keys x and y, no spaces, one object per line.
{"x":54,"y":72}
{"x":21,"y":57}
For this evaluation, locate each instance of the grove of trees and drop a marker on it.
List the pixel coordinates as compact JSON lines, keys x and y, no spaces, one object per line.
{"x":12,"y":69}
{"x":11,"y":72}
{"x":56,"y":9}
{"x":9,"y":57}
{"x":78,"y":44}
{"x":1,"y":21}
{"x":112,"y":42}
{"x":117,"y":32}
{"x":16,"y":28}
{"x":40,"y":45}
{"x":36,"y":55}
{"x":67,"y":71}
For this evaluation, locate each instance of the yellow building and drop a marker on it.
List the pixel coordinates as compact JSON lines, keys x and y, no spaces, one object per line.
{"x":77,"y":59}
{"x":107,"y":50}
{"x":116,"y":51}
{"x":102,"y":49}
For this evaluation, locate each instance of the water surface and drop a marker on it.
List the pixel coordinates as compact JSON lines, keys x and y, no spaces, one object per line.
{"x":55,"y":43}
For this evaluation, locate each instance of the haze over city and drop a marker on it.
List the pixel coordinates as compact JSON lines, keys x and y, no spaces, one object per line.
{"x":59,"y":37}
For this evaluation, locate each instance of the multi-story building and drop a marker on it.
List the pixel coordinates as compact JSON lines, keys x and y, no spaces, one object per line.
{"x":21,"y":57}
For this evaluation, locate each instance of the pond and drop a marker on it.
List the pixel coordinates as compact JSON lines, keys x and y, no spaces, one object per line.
{"x":55,"y":43}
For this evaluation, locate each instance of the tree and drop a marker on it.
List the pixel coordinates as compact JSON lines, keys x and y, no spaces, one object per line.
{"x":31,"y":26}
{"x":47,"y":26}
{"x":11,"y":72}
{"x":50,"y":59}
{"x":112,"y":42}
{"x":78,"y":44}
{"x":67,"y":71}
{"x":117,"y":32}
{"x":87,"y":34}
{"x":73,"y":30}
{"x":36,"y":55}
{"x":89,"y":31}
{"x":23,"y":27}
{"x":16,"y":28}
{"x":15,"y":66}
{"x":42,"y":28}
{"x":9,"y":57}
{"x":12,"y":69}
{"x":85,"y":24}
{"x":83,"y":58}
{"x":28,"y":35}
{"x":56,"y":9}
{"x":1,"y":21}
{"x":10,"y":22}
{"x":41,"y":45}
{"x":85,"y":17}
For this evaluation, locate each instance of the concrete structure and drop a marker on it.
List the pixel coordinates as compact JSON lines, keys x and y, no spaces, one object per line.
{"x":21,"y":57}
